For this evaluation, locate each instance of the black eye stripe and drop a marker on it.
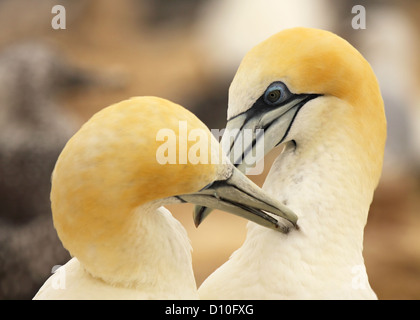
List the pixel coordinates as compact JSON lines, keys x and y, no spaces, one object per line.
{"x":260,"y":106}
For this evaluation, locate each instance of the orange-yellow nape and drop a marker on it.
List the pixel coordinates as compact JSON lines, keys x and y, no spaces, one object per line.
{"x":114,"y":155}
{"x":110,"y":167}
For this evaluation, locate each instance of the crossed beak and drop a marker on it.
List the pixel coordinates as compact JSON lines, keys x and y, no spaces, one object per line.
{"x":240,"y":196}
{"x":275,"y":124}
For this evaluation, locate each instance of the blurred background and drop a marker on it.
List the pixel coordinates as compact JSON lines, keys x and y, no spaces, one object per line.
{"x":51,"y":81}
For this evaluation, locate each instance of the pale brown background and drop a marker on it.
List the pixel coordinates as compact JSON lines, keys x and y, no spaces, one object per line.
{"x":177,"y":52}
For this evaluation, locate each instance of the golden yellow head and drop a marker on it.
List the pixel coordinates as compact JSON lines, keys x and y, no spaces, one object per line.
{"x":308,"y":61}
{"x":110,"y":167}
{"x":316,"y":82}
{"x":113,"y":157}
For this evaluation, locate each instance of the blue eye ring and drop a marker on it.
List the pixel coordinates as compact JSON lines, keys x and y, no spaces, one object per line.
{"x":276,"y":93}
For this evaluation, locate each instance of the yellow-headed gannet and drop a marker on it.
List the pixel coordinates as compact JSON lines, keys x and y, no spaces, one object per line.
{"x":108,"y":188}
{"x":314,"y":92}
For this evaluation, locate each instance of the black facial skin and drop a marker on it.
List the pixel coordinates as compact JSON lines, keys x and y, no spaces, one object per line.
{"x":276,"y":95}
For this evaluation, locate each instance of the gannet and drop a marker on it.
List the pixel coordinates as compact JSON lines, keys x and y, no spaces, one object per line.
{"x":108,"y":188}
{"x":34,"y":127}
{"x":314,"y":92}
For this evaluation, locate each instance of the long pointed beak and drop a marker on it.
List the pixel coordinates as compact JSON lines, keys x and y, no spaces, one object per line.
{"x":245,"y":144}
{"x":240,"y":196}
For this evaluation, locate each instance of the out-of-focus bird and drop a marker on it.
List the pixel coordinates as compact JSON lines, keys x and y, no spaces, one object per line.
{"x":33,"y":129}
{"x":393,"y":55}
{"x":314,"y":92}
{"x":108,"y":188}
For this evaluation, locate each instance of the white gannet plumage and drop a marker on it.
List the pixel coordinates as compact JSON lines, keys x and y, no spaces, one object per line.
{"x":108,"y":188}
{"x":313,"y":91}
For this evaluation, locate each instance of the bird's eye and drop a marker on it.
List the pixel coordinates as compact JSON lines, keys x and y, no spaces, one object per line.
{"x":273,"y":96}
{"x":276,"y":93}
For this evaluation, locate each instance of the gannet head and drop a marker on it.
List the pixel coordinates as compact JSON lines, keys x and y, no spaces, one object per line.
{"x":111,"y":167}
{"x":299,"y":79}
{"x":296,"y":86}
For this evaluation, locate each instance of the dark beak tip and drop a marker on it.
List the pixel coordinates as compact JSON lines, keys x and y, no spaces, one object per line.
{"x":197,"y":222}
{"x":198,"y":215}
